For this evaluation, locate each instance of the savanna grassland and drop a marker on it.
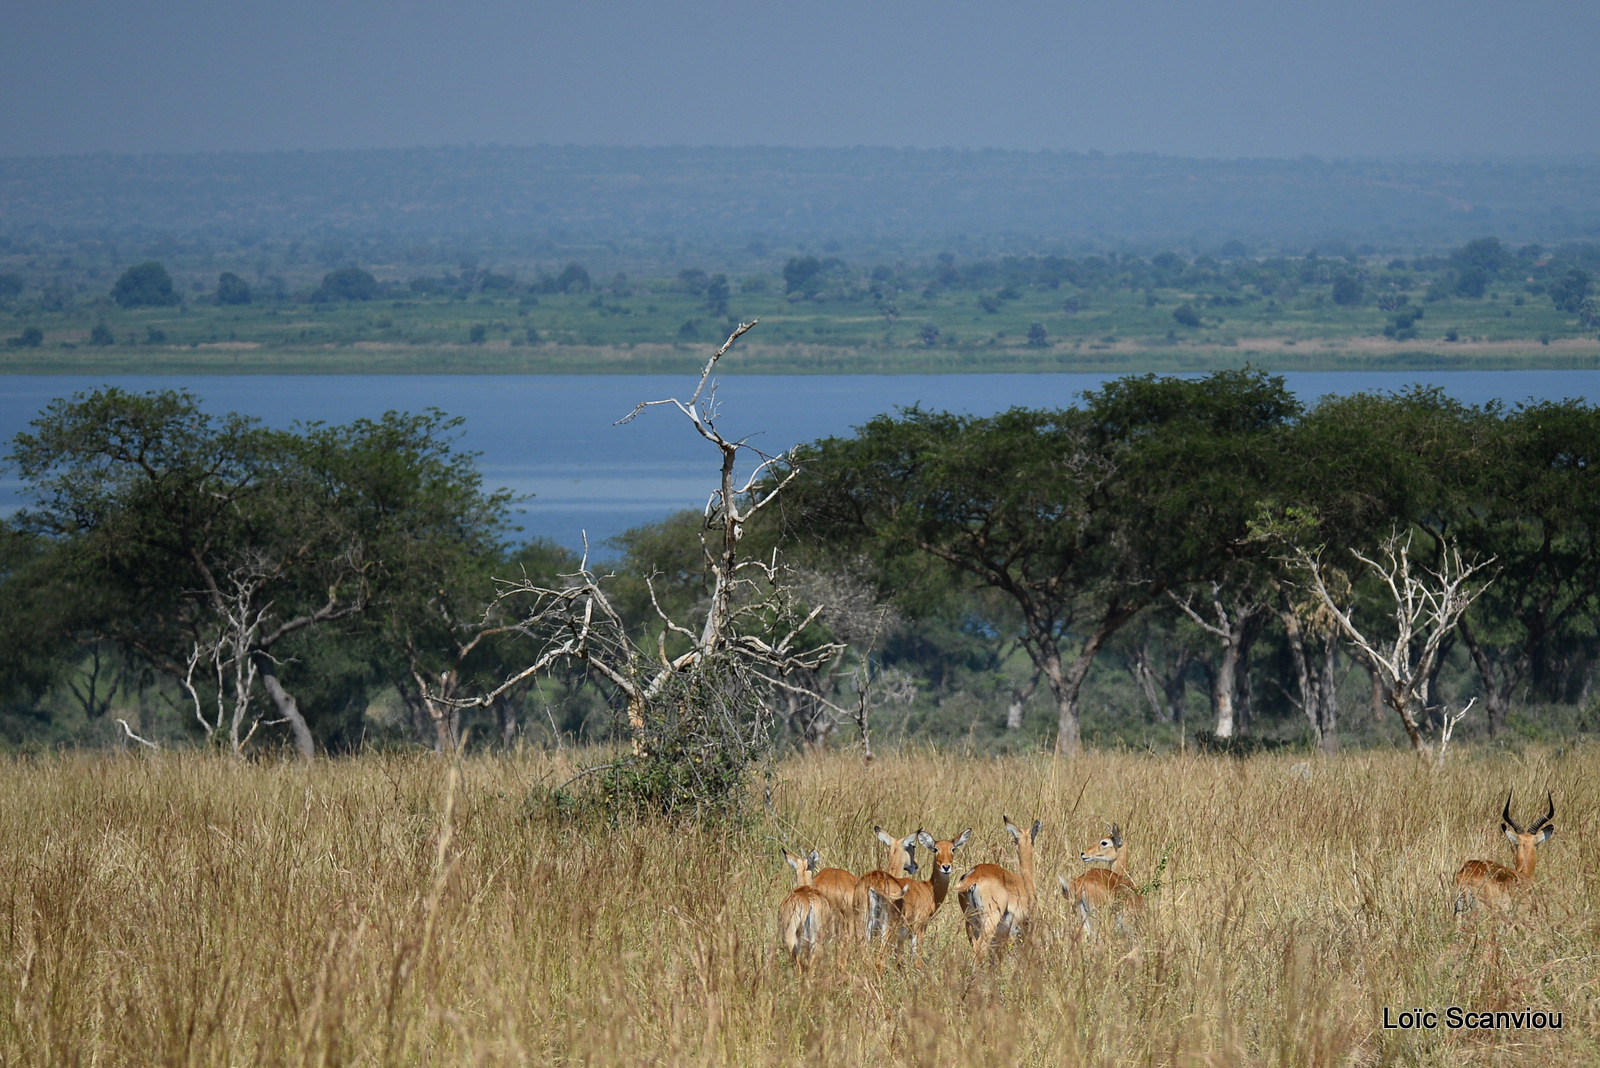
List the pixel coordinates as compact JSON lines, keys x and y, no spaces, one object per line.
{"x":181,"y":909}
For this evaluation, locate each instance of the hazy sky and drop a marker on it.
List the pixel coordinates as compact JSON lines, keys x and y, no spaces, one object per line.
{"x":1212,"y":78}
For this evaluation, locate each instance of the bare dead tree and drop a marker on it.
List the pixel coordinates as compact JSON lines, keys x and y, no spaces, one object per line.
{"x":234,"y":642}
{"x":1447,"y":727}
{"x":1426,"y":604}
{"x":709,"y":706}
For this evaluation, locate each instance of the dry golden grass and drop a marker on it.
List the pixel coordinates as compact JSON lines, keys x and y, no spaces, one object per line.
{"x":182,"y":910}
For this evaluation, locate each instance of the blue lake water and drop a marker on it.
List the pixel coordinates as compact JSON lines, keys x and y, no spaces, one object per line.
{"x":552,"y":436}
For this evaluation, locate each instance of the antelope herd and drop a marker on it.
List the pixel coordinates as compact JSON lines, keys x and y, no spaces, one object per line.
{"x":998,"y":904}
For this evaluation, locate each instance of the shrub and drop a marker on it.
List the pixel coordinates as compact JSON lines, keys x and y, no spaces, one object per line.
{"x":347,"y":283}
{"x":31,"y":338}
{"x":145,"y":285}
{"x":10,"y":284}
{"x":102,"y":335}
{"x":1186,"y":315}
{"x":1567,"y":292}
{"x":478,"y":334}
{"x":1037,"y":336}
{"x":1472,"y":282}
{"x":1348,"y":290}
{"x":231,"y":289}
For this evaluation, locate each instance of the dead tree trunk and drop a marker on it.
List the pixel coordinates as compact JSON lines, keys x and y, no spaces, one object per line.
{"x":1425,"y":608}
{"x":288,"y":709}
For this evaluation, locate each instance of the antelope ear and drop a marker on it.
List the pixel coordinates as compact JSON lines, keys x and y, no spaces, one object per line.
{"x":1116,"y":836}
{"x":909,"y":842}
{"x":925,"y":840}
{"x":815,"y":860}
{"x":959,"y":842}
{"x":1544,"y":835}
{"x":884,"y":836}
{"x":1066,"y":887}
{"x":1511,"y":836}
{"x":1038,"y":825}
{"x":1011,"y":828}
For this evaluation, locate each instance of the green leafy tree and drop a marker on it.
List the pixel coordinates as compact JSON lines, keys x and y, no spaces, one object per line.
{"x":347,"y":283}
{"x":1486,"y":254}
{"x":1471,"y":282}
{"x":1348,"y":290}
{"x":1534,"y":506}
{"x":802,"y":274}
{"x":202,"y":545}
{"x":231,"y":289}
{"x":145,"y":285}
{"x":1185,"y":315}
{"x":1568,"y":292}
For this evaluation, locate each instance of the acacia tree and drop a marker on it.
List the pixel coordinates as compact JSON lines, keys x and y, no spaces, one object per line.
{"x":1537,"y":509}
{"x":197,"y":541}
{"x":1081,"y":517}
{"x":1010,"y":501}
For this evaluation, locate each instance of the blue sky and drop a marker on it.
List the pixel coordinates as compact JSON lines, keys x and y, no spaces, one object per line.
{"x":1219,"y":78}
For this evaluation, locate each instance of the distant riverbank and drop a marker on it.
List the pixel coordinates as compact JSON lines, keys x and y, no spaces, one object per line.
{"x":1282,"y":355}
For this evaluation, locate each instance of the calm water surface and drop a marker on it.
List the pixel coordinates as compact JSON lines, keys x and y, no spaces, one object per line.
{"x":552,"y":436}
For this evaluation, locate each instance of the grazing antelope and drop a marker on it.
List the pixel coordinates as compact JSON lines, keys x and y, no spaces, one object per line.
{"x":839,"y":888}
{"x":998,"y":902}
{"x":1105,"y":883}
{"x":1496,"y":882}
{"x":879,"y":892}
{"x":802,"y":915}
{"x":923,"y":898}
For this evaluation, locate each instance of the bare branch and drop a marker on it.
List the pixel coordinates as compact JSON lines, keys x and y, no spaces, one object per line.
{"x":129,"y":732}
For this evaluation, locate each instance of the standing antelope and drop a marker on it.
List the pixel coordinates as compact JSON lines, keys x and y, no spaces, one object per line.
{"x":1105,"y":883}
{"x":998,"y":902}
{"x":803,"y":915}
{"x":879,"y":892}
{"x":840,"y":889}
{"x":1496,"y":882}
{"x":923,"y":898}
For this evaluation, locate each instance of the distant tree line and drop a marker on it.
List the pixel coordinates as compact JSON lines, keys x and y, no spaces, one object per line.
{"x":1565,"y":276}
{"x":1032,"y":577}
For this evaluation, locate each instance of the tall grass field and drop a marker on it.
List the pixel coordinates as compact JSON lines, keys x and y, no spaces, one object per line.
{"x":180,"y":909}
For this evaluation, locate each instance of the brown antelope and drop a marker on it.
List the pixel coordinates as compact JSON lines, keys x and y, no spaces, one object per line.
{"x":997,"y":902}
{"x":923,"y":898}
{"x":1106,"y":883}
{"x":839,"y":888}
{"x":1496,"y":882}
{"x":879,"y":892}
{"x":803,"y":916}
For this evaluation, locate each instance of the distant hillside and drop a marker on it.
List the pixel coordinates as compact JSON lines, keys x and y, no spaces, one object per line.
{"x":861,"y":197}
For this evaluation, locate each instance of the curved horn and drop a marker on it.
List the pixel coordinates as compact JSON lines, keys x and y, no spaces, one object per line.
{"x":1506,"y":815}
{"x":1547,"y":817}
